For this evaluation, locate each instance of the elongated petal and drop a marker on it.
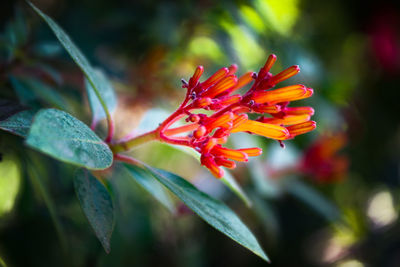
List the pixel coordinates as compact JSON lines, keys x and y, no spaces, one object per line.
{"x":202,"y":102}
{"x":221,"y":73}
{"x":251,"y":152}
{"x":196,"y":76}
{"x":230,"y":100}
{"x":299,"y":110}
{"x":283,"y":94}
{"x":288,"y":120}
{"x":244,"y":80}
{"x":268,"y":65}
{"x":301,"y":128}
{"x":229,"y":153}
{"x":264,"y":129}
{"x":286,"y":74}
{"x":221,"y":86}
{"x":221,"y":120}
{"x":239,"y":120}
{"x":271,"y":109}
{"x":226,"y":163}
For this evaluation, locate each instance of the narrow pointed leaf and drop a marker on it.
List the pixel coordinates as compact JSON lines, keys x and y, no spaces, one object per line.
{"x":19,"y":123}
{"x":97,"y":205}
{"x":107,"y":93}
{"x":62,"y":136}
{"x":213,"y":211}
{"x":29,"y":90}
{"x":150,"y":184}
{"x":98,"y":83}
{"x":40,"y":187}
{"x":314,"y":199}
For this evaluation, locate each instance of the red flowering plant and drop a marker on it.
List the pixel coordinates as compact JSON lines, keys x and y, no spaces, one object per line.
{"x":207,"y":133}
{"x":212,"y":110}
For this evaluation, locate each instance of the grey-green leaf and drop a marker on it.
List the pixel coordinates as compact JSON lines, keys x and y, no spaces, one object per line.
{"x":29,"y":89}
{"x":314,"y":199}
{"x":107,"y":93}
{"x":97,"y":205}
{"x":62,"y":136}
{"x":98,"y":84}
{"x":213,"y":211}
{"x":19,"y":123}
{"x":150,"y":184}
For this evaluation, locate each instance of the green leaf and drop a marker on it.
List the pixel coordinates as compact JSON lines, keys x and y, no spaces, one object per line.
{"x":29,"y":90}
{"x":106,"y":92}
{"x":97,"y":205}
{"x":36,"y":179}
{"x":97,"y":82}
{"x":213,"y":211}
{"x":314,"y":199}
{"x":60,"y":135}
{"x":150,"y":184}
{"x":19,"y":123}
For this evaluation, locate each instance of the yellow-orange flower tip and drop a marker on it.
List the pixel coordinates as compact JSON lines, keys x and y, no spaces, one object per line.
{"x":221,"y":73}
{"x":232,"y":69}
{"x":251,"y":152}
{"x":284,"y":75}
{"x":221,"y":86}
{"x":301,"y":128}
{"x":288,"y":93}
{"x":264,"y":129}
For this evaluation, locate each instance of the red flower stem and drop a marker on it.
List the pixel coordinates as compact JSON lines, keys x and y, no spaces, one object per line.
{"x":157,"y":134}
{"x":135,"y":141}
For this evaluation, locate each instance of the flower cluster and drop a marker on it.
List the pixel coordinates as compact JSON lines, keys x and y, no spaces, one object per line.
{"x":218,"y":94}
{"x":322,"y":160}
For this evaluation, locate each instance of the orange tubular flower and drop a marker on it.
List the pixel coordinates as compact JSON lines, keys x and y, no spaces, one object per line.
{"x":207,"y":133}
{"x":322,"y":160}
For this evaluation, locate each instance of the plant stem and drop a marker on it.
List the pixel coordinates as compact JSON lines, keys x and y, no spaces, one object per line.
{"x":136,"y":141}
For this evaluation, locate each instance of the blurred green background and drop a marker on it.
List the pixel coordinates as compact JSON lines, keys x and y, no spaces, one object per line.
{"x":330,"y":198}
